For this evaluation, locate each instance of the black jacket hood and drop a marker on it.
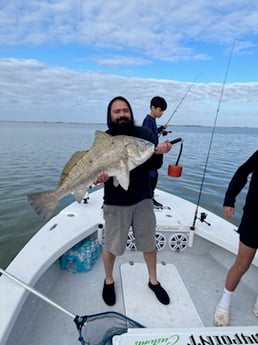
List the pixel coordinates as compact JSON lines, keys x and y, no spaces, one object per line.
{"x":119,"y":128}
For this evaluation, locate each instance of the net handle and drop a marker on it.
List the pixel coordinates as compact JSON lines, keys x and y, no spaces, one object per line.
{"x":36,"y":293}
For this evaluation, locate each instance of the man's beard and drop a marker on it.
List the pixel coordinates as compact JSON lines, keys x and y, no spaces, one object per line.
{"x":122,"y":126}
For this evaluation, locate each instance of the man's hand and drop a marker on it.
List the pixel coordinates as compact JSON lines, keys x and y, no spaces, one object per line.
{"x":163,"y":147}
{"x":228,"y":211}
{"x":102,"y":177}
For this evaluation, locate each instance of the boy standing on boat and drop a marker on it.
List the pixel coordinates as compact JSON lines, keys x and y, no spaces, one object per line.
{"x":248,"y":234}
{"x":133,"y":207}
{"x":157,"y":107}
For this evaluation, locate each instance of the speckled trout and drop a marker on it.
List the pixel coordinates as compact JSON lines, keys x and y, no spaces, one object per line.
{"x":113,"y":155}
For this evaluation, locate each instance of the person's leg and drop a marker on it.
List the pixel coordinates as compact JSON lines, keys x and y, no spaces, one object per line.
{"x":151,"y":262}
{"x":144,"y":228}
{"x":108,"y":292}
{"x":239,"y":268}
{"x":117,"y":223}
{"x":154,"y":182}
{"x":108,"y":261}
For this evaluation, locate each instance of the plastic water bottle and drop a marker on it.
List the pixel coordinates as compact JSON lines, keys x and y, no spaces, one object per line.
{"x":93,"y":251}
{"x":97,"y":248}
{"x":87,"y":260}
{"x":81,"y":255}
{"x":71,"y":264}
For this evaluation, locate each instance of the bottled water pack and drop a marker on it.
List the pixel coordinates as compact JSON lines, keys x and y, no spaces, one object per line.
{"x":81,"y":257}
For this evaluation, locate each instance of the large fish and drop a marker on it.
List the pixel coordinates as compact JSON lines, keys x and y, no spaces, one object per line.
{"x":113,"y":155}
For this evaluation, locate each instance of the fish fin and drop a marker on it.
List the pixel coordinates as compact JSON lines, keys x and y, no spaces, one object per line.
{"x":100,"y":136}
{"x":123,"y":178}
{"x":79,"y":193}
{"x":43,"y":203}
{"x":70,"y":164}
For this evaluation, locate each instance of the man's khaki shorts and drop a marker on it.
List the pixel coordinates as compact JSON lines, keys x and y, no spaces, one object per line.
{"x":119,"y":219}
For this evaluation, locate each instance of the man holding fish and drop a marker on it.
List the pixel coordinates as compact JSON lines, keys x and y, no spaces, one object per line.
{"x":122,"y":158}
{"x":132,"y":207}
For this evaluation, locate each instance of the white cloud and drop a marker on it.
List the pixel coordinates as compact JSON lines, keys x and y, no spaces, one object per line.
{"x":121,"y":60}
{"x":31,"y":90}
{"x":48,"y":45}
{"x":157,"y":29}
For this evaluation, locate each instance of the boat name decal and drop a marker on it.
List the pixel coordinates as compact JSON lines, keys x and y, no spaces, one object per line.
{"x":223,"y":339}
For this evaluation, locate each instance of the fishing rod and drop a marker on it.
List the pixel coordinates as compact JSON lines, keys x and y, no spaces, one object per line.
{"x":182,"y":99}
{"x":203,"y":215}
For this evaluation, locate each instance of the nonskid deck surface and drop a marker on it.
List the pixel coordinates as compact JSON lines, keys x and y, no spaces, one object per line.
{"x":193,"y":279}
{"x":141,"y":305}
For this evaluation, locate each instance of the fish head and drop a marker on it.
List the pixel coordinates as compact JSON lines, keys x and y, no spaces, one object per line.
{"x":138,"y":150}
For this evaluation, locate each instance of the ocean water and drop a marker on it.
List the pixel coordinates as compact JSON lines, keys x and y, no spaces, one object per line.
{"x":32,"y":156}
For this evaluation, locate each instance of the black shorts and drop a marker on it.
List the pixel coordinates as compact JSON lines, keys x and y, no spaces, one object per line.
{"x":248,"y":230}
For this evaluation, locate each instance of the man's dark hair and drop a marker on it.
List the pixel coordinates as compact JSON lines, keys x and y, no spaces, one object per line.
{"x":158,"y":102}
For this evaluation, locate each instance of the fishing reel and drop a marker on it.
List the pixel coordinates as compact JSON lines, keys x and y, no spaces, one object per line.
{"x":202,"y":218}
{"x":175,"y":170}
{"x":164,"y":132}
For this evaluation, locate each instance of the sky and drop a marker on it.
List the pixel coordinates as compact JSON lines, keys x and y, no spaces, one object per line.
{"x":64,"y":60}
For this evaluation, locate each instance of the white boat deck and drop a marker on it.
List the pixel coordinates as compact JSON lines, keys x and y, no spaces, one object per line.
{"x":141,"y":305}
{"x":193,"y":277}
{"x":193,"y":301}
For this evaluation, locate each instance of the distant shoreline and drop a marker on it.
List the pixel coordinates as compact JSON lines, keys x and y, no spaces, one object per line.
{"x":103,"y":123}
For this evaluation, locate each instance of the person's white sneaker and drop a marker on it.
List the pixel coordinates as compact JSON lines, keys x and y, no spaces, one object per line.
{"x":221,"y":317}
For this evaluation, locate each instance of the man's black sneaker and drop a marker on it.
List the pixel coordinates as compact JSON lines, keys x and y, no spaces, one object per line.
{"x":108,"y":293}
{"x":160,"y":293}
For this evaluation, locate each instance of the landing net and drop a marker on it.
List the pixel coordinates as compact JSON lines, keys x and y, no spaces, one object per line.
{"x":99,"y":329}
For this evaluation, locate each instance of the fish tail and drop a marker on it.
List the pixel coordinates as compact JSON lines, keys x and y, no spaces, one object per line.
{"x":43,"y":203}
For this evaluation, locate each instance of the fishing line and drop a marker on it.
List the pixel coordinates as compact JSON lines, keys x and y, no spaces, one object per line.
{"x":211,"y":139}
{"x":182,"y":99}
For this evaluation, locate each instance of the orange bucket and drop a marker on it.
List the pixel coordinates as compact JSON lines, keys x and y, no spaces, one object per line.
{"x":175,"y":170}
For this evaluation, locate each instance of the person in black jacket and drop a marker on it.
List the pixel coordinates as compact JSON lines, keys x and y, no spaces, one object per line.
{"x":248,"y":234}
{"x":123,"y":208}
